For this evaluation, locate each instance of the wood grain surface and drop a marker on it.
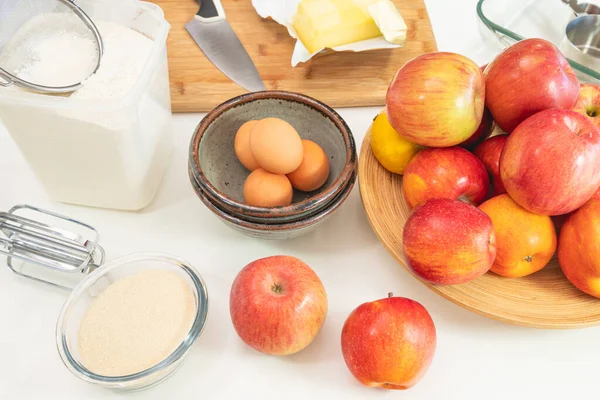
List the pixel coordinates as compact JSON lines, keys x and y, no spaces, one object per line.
{"x":340,"y":79}
{"x":545,"y":299}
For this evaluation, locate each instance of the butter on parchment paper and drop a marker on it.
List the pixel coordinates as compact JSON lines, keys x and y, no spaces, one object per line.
{"x":339,"y":25}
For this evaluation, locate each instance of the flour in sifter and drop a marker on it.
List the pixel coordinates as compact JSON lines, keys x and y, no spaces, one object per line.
{"x":56,"y":49}
{"x":52,"y":49}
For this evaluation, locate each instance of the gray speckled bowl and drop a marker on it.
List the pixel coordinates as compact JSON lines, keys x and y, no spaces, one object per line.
{"x":215,"y":169}
{"x":280,"y":231}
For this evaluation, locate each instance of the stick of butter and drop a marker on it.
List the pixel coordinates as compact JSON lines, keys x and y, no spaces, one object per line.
{"x":359,"y":25}
{"x":389,"y":20}
{"x":329,"y":23}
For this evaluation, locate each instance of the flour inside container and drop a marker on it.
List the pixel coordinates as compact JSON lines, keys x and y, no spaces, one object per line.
{"x":125,"y":55}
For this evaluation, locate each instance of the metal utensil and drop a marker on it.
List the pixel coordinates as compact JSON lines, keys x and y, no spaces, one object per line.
{"x":48,"y":247}
{"x":582,"y":8}
{"x":213,"y":34}
{"x":15,"y":14}
{"x":582,"y":41}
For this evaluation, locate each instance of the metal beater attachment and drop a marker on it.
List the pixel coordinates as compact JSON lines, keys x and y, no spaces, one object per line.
{"x":48,"y":247}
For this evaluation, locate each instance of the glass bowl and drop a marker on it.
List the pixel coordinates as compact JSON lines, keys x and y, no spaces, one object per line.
{"x":510,"y":21}
{"x":82,"y":296}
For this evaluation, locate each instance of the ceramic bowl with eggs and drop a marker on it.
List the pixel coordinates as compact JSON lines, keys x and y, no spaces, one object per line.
{"x":273,"y":162}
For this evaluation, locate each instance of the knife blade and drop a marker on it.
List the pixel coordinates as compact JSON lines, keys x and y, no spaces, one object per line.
{"x":219,"y":43}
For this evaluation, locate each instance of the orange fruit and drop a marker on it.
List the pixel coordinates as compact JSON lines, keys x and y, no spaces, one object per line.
{"x":525,"y":241}
{"x":579,"y":248}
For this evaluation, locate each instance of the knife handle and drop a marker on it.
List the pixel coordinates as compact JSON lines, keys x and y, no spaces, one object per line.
{"x":210,"y":11}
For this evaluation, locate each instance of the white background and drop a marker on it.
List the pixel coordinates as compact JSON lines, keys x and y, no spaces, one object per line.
{"x":476,"y":357}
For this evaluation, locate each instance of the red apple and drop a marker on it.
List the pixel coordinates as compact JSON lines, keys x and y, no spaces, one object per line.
{"x":448,"y":242}
{"x":436,"y":99}
{"x":389,"y":343}
{"x":449,"y":173}
{"x":529,"y":76}
{"x":588,"y":102}
{"x":489,"y":153}
{"x":550,"y":164}
{"x":486,"y":127}
{"x":277,"y":305}
{"x":579,"y":248}
{"x":484,"y":131}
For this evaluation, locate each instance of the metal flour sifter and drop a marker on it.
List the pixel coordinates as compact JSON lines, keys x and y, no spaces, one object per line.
{"x":14,"y":14}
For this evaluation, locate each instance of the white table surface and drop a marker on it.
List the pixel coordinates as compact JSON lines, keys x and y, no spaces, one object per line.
{"x":476,"y":357}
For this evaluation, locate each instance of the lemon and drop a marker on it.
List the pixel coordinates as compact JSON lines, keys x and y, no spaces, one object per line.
{"x":391,"y":150}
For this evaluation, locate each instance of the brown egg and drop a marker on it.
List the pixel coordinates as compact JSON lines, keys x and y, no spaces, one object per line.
{"x":241,"y":144}
{"x":276,"y":146}
{"x":314,"y":169}
{"x":264,"y":189}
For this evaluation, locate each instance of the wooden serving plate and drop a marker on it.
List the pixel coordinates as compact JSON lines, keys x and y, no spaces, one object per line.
{"x":545,"y":299}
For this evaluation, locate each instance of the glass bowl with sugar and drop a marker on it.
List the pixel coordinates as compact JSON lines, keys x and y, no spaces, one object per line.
{"x":131,"y":323}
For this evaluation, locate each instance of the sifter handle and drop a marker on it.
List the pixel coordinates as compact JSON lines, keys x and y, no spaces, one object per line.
{"x":5,"y":79}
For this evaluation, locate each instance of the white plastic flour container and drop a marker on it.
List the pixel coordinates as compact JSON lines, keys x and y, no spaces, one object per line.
{"x":108,"y":152}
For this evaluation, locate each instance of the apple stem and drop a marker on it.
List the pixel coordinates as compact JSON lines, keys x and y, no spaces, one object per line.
{"x":465,"y":199}
{"x":390,"y":294}
{"x":276,"y":288}
{"x":528,"y":259}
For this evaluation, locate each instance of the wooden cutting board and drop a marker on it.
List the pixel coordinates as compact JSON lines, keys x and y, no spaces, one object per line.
{"x":339,"y":80}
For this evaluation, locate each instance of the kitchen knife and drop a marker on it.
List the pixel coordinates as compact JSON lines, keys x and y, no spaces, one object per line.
{"x":219,"y":43}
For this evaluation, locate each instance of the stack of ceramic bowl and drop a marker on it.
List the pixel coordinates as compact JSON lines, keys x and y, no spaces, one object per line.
{"x":218,"y":177}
